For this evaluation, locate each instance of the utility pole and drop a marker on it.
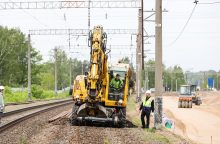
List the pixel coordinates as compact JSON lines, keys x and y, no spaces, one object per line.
{"x":142,"y":34}
{"x":70,"y":71}
{"x":171,"y":89}
{"x":55,"y":69}
{"x":147,"y":80}
{"x":176,"y":86}
{"x":139,"y":58}
{"x":89,"y":9}
{"x":158,"y":67}
{"x":29,"y":67}
{"x":166,"y":86}
{"x":82,"y":67}
{"x":217,"y":81}
{"x":70,"y":63}
{"x":204,"y":81}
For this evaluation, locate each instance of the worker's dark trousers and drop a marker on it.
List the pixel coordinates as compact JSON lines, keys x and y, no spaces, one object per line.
{"x":1,"y":114}
{"x":147,"y":114}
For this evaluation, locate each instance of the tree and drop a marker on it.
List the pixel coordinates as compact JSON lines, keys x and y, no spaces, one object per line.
{"x":170,"y":75}
{"x":47,"y":76}
{"x":124,"y":60}
{"x":150,"y":70}
{"x":63,"y":70}
{"x":13,"y":58}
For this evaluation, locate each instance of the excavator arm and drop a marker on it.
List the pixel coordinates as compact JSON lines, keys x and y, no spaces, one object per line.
{"x":97,"y":77}
{"x":98,"y":66}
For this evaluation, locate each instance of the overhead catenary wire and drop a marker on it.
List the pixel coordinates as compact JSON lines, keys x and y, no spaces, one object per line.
{"x":184,"y":27}
{"x":35,"y":18}
{"x":214,"y":2}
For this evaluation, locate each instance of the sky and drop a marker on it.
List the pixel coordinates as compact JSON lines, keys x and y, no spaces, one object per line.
{"x":196,"y":49}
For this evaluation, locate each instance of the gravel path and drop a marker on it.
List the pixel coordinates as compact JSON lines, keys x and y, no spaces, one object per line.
{"x":67,"y":134}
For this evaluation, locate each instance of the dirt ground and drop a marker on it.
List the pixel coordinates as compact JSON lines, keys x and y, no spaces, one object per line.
{"x":201,"y":123}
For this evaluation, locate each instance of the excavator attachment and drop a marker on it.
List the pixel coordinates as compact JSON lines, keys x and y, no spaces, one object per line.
{"x":92,"y":114}
{"x":89,"y":115}
{"x":90,"y":111}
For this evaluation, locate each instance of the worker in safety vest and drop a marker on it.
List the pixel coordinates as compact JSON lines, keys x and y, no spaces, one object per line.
{"x":147,"y":106}
{"x":116,"y":83}
{"x":2,"y":105}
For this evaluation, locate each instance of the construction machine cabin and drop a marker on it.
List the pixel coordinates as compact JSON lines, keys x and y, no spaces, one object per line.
{"x":97,"y":102}
{"x":188,"y":96}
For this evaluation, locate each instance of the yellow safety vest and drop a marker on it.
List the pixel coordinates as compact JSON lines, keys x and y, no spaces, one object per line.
{"x":147,"y":103}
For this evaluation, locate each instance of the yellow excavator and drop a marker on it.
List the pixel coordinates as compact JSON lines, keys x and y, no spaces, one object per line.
{"x":101,"y":105}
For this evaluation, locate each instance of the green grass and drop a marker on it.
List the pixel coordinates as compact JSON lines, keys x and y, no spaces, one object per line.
{"x":131,"y":103}
{"x":131,"y":106}
{"x":37,"y":94}
{"x":151,"y":135}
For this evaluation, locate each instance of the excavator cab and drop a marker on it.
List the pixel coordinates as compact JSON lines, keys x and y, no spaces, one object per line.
{"x":116,"y":94}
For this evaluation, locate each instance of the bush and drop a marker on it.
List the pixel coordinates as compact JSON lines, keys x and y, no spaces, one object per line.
{"x":37,"y":91}
{"x":48,"y":94}
{"x":64,"y":94}
{"x":9,"y":96}
{"x":7,"y":90}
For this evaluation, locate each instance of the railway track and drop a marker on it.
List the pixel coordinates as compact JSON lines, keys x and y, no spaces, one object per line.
{"x":12,"y":118}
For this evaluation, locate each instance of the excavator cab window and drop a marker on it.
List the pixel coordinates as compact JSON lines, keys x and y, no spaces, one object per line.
{"x":111,"y":75}
{"x":116,"y":94}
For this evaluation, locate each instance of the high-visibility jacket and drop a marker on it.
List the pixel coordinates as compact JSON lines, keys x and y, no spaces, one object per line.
{"x":117,"y":84}
{"x":147,"y":103}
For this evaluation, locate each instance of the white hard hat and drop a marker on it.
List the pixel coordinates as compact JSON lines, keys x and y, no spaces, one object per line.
{"x":148,"y":92}
{"x":2,"y":87}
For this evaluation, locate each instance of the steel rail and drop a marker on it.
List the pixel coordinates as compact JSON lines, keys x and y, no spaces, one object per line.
{"x":32,"y":108}
{"x":18,"y":120}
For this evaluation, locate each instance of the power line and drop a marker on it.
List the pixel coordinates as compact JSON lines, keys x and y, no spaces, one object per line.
{"x":184,"y":27}
{"x":35,"y":18}
{"x":210,"y":2}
